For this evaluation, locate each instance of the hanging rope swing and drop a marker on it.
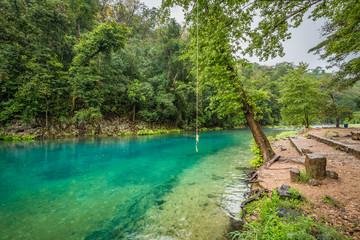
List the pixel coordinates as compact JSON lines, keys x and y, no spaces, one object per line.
{"x":197,"y":74}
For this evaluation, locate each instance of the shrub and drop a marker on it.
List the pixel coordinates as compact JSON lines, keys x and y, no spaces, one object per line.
{"x":258,"y":159}
{"x":176,"y":130}
{"x":146,"y":132}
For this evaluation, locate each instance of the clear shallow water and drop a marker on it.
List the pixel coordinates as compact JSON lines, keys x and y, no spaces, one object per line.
{"x":153,"y":187}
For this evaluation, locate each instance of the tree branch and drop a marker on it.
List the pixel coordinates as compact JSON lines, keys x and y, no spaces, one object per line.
{"x":296,"y":12}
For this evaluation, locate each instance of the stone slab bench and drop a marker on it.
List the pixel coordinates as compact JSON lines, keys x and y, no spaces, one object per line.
{"x":355,"y":135}
{"x":297,"y":147}
{"x":339,"y":145}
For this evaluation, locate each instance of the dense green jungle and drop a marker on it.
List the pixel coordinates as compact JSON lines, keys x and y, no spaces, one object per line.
{"x":81,"y":62}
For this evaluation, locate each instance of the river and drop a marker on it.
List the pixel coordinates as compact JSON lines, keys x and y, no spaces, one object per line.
{"x":146,"y":187}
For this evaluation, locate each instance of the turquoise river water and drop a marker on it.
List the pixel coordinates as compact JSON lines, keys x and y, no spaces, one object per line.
{"x":149,"y":187}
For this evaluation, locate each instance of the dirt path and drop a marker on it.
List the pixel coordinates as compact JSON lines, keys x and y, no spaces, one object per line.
{"x":346,"y":189}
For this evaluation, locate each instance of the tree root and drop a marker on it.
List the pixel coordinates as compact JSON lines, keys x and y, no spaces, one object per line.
{"x":249,"y":200}
{"x":253,"y":181}
{"x":274,"y":159}
{"x":336,"y":202}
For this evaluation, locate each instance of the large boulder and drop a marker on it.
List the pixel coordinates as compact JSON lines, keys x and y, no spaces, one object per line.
{"x":315,"y":166}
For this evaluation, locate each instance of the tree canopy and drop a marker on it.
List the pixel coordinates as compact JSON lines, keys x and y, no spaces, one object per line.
{"x":80,"y":62}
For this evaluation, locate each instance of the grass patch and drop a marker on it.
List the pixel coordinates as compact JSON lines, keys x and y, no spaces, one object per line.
{"x":145,"y":132}
{"x":268,"y":225}
{"x":287,"y":134}
{"x":151,"y":132}
{"x":125,"y":133}
{"x":17,"y":137}
{"x":271,"y":139}
{"x":304,"y":177}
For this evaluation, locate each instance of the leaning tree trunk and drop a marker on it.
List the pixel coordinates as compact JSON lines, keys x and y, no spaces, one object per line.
{"x":257,"y":132}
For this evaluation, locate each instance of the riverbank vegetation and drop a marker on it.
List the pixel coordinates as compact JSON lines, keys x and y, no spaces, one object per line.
{"x":277,"y":218}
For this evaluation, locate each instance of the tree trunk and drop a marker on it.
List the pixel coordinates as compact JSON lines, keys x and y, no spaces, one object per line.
{"x":79,"y":32}
{"x":306,"y":120}
{"x":258,"y":134}
{"x":337,"y":122}
{"x":133,"y":114}
{"x":256,"y":130}
{"x":46,"y":114}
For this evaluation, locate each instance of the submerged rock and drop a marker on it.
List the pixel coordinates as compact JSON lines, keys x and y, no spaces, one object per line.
{"x":211,"y":196}
{"x":160,"y":202}
{"x":215,"y":178}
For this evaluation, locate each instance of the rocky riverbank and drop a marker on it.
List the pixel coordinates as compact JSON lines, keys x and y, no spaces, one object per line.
{"x":115,"y":127}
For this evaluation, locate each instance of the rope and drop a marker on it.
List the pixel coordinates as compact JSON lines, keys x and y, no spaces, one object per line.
{"x":197,"y":74}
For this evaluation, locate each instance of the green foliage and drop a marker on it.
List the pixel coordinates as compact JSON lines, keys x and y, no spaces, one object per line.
{"x":17,"y":137}
{"x":339,"y":106}
{"x":271,"y":139}
{"x":269,"y":226}
{"x":301,"y":98}
{"x":287,"y":134}
{"x":304,"y":177}
{"x":87,"y":115}
{"x":145,"y":132}
{"x":330,"y":134}
{"x":126,"y":133}
{"x":341,"y":38}
{"x":176,"y":130}
{"x":78,"y":61}
{"x":258,"y":159}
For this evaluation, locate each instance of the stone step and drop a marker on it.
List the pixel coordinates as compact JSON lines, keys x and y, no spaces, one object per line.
{"x":338,"y":145}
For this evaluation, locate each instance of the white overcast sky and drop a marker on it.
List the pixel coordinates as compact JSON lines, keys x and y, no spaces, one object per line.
{"x":303,"y":38}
